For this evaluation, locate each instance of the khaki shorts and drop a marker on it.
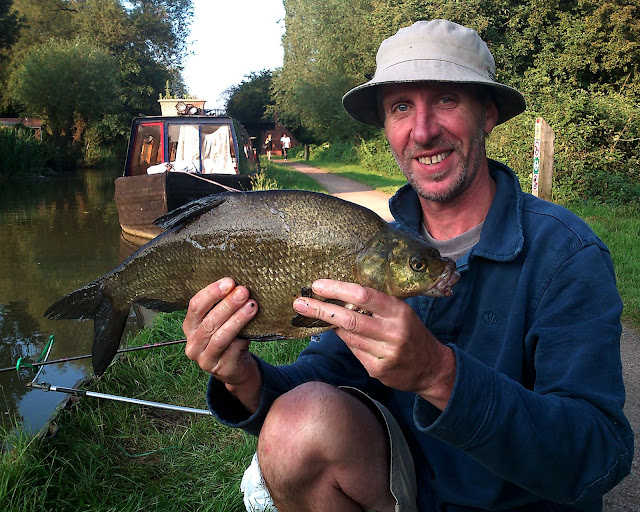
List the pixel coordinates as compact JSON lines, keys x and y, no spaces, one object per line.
{"x":402,"y":481}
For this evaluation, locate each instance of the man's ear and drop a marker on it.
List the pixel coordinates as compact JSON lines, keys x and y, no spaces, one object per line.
{"x":490,"y":116}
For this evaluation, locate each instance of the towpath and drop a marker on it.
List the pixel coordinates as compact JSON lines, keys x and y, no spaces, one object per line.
{"x":346,"y":189}
{"x":626,"y":496}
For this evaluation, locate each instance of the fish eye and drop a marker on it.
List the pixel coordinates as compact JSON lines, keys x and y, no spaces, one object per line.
{"x":417,"y":264}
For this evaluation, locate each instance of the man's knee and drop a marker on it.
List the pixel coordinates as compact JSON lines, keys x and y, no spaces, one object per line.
{"x":314,"y":423}
{"x":295,"y":428}
{"x":318,"y":440}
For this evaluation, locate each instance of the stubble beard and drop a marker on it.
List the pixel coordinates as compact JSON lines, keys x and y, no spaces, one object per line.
{"x":465,"y":175}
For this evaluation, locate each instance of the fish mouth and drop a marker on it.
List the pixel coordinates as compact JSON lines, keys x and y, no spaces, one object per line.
{"x":444,"y":283}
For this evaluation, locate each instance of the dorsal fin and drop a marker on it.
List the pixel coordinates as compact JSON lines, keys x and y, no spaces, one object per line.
{"x":192,"y":210}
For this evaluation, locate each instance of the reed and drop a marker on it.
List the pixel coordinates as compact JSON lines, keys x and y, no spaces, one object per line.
{"x":22,"y":155}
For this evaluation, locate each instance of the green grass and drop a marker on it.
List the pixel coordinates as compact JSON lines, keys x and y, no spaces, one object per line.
{"x":281,"y":176}
{"x":112,"y":456}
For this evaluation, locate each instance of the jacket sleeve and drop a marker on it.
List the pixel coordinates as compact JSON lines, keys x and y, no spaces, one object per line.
{"x":567,"y":439}
{"x":327,"y":360}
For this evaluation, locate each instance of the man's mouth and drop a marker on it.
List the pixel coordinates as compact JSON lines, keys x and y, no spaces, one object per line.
{"x":435,"y":159}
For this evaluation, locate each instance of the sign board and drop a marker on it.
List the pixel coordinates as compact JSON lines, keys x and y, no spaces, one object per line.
{"x":542,"y":175}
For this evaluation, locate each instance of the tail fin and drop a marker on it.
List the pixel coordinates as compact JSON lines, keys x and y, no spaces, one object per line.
{"x":109,"y":322}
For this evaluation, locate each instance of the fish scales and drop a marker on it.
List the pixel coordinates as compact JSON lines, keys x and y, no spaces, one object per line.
{"x":276,"y":243}
{"x":264,"y":243}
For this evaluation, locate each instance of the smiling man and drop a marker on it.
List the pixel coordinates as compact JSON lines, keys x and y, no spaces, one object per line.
{"x":507,"y":395}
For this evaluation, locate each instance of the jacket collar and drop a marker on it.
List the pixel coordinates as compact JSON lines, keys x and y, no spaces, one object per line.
{"x":502,"y":235}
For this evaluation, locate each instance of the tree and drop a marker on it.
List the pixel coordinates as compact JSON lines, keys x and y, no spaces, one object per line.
{"x":250,"y":101}
{"x":147,"y":40}
{"x":328,"y":46}
{"x":70,"y":84}
{"x":10,"y":24}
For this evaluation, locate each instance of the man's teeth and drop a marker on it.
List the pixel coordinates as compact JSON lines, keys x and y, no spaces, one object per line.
{"x":430,"y":160}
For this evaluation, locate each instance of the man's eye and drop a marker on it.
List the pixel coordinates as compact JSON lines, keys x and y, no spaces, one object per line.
{"x":402,"y":107}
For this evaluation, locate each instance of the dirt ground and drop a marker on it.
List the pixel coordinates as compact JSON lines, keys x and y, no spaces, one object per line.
{"x":626,"y":496}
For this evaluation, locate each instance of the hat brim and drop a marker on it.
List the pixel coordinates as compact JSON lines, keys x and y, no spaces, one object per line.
{"x":361,"y":102}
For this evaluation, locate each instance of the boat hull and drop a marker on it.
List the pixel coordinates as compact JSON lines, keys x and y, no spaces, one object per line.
{"x":142,"y":199}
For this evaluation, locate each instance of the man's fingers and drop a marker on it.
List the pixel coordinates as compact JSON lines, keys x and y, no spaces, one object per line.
{"x":215,"y":317}
{"x":202,"y":302}
{"x":338,"y":316}
{"x":226,"y":320}
{"x":349,"y":293}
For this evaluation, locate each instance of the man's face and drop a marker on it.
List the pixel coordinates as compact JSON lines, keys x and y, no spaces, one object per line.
{"x":437,"y":135}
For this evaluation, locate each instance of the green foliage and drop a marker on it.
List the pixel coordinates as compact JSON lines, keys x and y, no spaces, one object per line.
{"x":22,"y":155}
{"x":577,"y":64}
{"x":250,"y":101}
{"x":325,"y":45}
{"x":338,"y":151}
{"x":10,"y":24}
{"x":597,"y":155}
{"x":145,"y":40}
{"x":374,"y":154}
{"x":68,"y":83}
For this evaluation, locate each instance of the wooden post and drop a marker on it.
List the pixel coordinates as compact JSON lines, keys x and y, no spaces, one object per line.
{"x":542,"y":177}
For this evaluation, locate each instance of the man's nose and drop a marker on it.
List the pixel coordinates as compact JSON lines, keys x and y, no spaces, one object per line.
{"x":425,"y":126}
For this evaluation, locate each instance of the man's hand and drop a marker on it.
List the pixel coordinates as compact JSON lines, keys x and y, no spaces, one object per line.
{"x":215,"y":316}
{"x":392,"y":344}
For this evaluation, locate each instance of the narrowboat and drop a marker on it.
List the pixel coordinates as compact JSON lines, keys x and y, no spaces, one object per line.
{"x":173,"y":159}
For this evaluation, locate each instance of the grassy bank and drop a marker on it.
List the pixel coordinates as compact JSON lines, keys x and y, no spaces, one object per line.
{"x":22,"y":156}
{"x":110,"y":456}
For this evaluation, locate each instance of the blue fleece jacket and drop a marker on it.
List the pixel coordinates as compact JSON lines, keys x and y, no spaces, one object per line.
{"x":535,"y":421}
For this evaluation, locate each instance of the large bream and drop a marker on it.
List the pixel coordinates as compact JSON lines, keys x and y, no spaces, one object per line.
{"x":276,"y":243}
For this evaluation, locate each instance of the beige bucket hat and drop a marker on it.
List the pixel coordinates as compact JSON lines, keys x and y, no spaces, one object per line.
{"x":433,"y":51}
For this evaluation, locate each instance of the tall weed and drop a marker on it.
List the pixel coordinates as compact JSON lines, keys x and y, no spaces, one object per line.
{"x":22,"y":155}
{"x":374,"y":155}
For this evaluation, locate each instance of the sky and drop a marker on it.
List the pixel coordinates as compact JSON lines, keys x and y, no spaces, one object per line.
{"x":229,"y":40}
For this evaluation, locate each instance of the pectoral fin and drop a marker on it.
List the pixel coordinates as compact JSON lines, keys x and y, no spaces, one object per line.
{"x":299,"y":320}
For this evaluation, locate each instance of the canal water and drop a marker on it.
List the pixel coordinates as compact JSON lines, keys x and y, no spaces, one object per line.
{"x":55,"y":236}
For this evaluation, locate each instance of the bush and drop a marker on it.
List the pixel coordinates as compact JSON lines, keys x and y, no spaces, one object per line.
{"x":22,"y":155}
{"x":596,"y":153}
{"x":596,"y":147}
{"x":334,"y":152}
{"x":374,"y":154}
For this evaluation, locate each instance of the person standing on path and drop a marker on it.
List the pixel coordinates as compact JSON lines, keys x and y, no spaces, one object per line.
{"x":286,"y":144}
{"x":506,"y":396}
{"x":268,"y":144}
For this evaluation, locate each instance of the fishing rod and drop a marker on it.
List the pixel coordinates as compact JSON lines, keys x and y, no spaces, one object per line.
{"x":81,"y":392}
{"x":43,"y":362}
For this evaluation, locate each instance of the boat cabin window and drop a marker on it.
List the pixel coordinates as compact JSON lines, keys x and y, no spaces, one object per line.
{"x":147,"y":148}
{"x":202,"y":148}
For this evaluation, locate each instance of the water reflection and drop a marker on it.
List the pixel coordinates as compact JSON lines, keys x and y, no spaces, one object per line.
{"x":55,"y":237}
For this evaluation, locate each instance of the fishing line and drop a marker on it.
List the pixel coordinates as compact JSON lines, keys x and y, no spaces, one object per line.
{"x":41,"y":361}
